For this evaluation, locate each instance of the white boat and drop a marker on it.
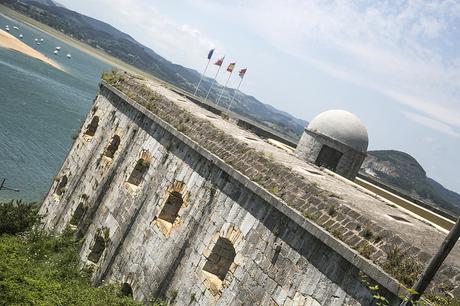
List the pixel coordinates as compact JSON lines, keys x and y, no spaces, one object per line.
{"x":36,"y":39}
{"x":16,"y":28}
{"x":21,"y":36}
{"x":41,"y":39}
{"x":38,"y":43}
{"x":58,"y":48}
{"x":56,"y":52}
{"x":68,"y":55}
{"x":7,"y":29}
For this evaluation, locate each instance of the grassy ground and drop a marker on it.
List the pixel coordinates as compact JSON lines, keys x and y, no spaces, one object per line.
{"x":37,"y":268}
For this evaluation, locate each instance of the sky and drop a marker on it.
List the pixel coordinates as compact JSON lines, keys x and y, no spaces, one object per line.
{"x":395,"y":64}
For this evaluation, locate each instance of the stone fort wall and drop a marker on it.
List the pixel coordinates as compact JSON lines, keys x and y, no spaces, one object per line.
{"x":310,"y":145}
{"x":169,"y":217}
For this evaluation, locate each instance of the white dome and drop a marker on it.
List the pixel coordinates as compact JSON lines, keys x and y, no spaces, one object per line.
{"x":342,"y":126}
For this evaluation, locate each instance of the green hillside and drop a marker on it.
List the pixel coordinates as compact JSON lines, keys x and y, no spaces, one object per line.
{"x":104,"y":37}
{"x":402,"y":171}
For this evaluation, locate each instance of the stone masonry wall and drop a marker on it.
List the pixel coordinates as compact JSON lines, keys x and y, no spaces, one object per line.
{"x":281,"y":257}
{"x":310,"y":145}
{"x":322,"y":207}
{"x":276,"y":260}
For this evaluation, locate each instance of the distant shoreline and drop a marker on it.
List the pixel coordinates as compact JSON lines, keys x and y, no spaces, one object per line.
{"x":8,"y":41}
{"x":12,"y":14}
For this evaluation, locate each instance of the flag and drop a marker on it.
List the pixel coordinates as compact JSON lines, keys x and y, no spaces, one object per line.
{"x":219,"y":62}
{"x":242,"y":72}
{"x":210,"y":53}
{"x":230,"y":67}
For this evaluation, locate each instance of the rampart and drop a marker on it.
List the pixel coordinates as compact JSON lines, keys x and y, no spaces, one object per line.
{"x":172,"y":200}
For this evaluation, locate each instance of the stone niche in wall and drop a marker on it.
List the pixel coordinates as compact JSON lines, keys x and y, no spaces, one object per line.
{"x":222,"y":258}
{"x":176,"y":198}
{"x":139,"y":171}
{"x":91,"y":129}
{"x":60,"y":187}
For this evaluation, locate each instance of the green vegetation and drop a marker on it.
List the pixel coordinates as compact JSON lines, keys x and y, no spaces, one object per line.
{"x":366,"y":250}
{"x":367,"y":232}
{"x":17,"y":217}
{"x":37,"y":268}
{"x":402,"y":266}
{"x":311,"y":216}
{"x":337,"y":234}
{"x":428,"y":299}
{"x":332,"y":210}
{"x":112,"y":78}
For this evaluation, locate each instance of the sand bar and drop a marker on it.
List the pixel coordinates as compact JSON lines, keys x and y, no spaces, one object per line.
{"x":8,"y":13}
{"x":10,"y":42}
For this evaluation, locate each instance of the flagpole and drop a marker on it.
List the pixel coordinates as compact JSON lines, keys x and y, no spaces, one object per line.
{"x":212,"y":84}
{"x":234,"y":94}
{"x":202,"y":75}
{"x":222,"y":91}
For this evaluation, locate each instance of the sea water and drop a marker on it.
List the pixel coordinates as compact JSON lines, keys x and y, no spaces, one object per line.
{"x":41,"y":108}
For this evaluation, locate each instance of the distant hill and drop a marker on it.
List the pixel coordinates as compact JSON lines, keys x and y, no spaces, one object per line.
{"x":402,"y":171}
{"x":122,"y":46}
{"x":45,"y":2}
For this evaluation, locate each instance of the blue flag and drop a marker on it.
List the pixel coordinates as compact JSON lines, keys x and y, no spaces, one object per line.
{"x":210,"y":53}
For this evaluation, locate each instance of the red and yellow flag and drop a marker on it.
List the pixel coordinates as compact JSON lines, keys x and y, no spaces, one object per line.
{"x":220,"y":61}
{"x":242,"y":72}
{"x":230,"y":67}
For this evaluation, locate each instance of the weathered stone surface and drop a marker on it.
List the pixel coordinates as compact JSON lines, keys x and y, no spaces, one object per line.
{"x":273,"y":243}
{"x":311,"y":143}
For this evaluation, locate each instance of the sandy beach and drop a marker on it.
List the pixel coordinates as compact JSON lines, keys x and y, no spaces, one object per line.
{"x":10,"y":42}
{"x":11,"y":14}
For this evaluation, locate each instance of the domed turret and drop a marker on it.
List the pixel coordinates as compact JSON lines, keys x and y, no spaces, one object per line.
{"x":336,"y":140}
{"x":342,"y":126}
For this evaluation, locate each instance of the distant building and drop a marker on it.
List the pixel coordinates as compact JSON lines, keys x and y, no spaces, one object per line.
{"x":336,"y":140}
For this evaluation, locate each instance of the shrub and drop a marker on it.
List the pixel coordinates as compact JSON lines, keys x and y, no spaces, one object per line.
{"x":17,"y":217}
{"x":367,"y":232}
{"x":331,"y":211}
{"x":365,"y":249}
{"x":402,"y":266}
{"x":42,"y":269}
{"x":38,"y":268}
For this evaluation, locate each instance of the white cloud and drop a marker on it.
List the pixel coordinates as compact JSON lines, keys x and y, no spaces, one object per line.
{"x":432,"y":124}
{"x":404,"y":50}
{"x":400,"y":49}
{"x":180,"y":42}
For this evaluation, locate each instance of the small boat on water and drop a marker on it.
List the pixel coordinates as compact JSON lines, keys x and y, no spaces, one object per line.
{"x":68,"y":55}
{"x":21,"y":36}
{"x":56,"y":52}
{"x":36,"y":39}
{"x":58,"y":48}
{"x":38,"y":43}
{"x":41,"y":39}
{"x":16,"y":28}
{"x":7,"y":28}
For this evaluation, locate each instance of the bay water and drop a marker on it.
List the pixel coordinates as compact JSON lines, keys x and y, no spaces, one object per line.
{"x":41,"y":108}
